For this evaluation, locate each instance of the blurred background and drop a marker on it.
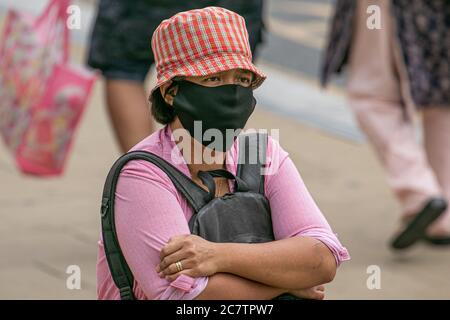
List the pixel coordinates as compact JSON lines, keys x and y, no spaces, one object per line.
{"x":49,"y":224}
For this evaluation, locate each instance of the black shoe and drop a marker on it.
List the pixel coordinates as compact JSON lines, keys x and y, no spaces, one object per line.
{"x":437,"y":240}
{"x":415,"y":229}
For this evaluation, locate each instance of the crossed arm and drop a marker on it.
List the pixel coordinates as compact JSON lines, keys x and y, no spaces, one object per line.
{"x":259,"y":271}
{"x":296,"y":261}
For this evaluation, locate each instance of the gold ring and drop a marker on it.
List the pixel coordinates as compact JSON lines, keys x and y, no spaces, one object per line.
{"x":179,"y":266}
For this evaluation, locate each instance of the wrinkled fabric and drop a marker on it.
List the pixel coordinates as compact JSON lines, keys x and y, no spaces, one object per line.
{"x":149,"y":211}
{"x":423,"y":31}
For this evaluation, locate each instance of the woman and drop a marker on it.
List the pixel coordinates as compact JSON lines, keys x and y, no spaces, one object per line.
{"x":119,"y":49}
{"x":205,"y":73}
{"x":402,"y":66}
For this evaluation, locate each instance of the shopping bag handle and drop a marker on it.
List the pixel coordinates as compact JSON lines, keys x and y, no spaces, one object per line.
{"x":61,"y":6}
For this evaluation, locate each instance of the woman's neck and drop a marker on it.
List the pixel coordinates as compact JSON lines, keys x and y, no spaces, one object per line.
{"x":197,"y":157}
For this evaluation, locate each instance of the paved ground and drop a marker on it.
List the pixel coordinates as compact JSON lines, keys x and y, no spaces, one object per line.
{"x":48,"y":225}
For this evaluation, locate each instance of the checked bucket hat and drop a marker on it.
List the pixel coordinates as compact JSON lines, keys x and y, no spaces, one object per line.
{"x":201,"y":42}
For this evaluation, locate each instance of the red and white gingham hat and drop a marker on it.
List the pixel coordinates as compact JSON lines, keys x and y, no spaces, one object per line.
{"x":201,"y":42}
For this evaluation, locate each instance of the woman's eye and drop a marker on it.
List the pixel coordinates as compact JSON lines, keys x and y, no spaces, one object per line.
{"x":245,"y":80}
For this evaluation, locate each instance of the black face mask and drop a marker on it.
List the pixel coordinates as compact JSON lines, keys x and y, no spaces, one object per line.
{"x":222,"y":107}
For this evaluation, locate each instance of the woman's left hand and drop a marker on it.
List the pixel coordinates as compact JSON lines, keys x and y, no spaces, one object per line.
{"x":196,"y":256}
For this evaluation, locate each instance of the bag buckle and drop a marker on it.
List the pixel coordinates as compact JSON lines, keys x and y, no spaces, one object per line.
{"x":126,"y":293}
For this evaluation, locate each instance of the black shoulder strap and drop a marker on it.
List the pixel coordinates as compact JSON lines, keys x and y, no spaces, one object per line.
{"x":252,"y":160}
{"x":121,"y":273}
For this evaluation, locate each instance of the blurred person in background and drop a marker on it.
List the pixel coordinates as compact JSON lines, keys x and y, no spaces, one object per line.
{"x":395,"y":70}
{"x":119,"y":48}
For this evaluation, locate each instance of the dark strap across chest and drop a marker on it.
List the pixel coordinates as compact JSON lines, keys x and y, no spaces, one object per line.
{"x":251,"y":160}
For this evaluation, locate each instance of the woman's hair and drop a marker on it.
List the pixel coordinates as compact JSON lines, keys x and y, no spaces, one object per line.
{"x":161,"y":111}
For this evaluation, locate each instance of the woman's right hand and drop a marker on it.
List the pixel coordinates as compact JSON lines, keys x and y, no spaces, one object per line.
{"x":314,"y":293}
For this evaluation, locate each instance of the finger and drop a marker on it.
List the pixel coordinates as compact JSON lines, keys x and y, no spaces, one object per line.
{"x":174,"y":244}
{"x":172,"y":268}
{"x":170,"y":259}
{"x":320,"y":288}
{"x":173,"y":277}
{"x":319,"y":295}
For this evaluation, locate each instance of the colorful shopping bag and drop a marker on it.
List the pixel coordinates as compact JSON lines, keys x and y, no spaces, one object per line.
{"x":42,"y":97}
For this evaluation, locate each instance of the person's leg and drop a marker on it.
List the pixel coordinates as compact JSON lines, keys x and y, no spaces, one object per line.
{"x":402,"y":157}
{"x":121,"y":51}
{"x":377,"y":97}
{"x":129,"y":111}
{"x":436,"y":123}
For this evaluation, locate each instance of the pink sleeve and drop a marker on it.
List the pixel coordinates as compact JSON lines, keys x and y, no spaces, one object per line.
{"x":294,"y":212}
{"x":148,"y":213}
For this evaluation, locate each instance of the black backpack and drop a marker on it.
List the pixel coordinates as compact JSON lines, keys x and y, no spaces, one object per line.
{"x":243,"y":216}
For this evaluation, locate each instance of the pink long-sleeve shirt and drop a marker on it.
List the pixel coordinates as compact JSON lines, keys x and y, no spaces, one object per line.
{"x":149,"y":211}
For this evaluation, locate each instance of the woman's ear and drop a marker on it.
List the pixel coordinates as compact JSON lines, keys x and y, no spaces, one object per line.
{"x":168,"y":92}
